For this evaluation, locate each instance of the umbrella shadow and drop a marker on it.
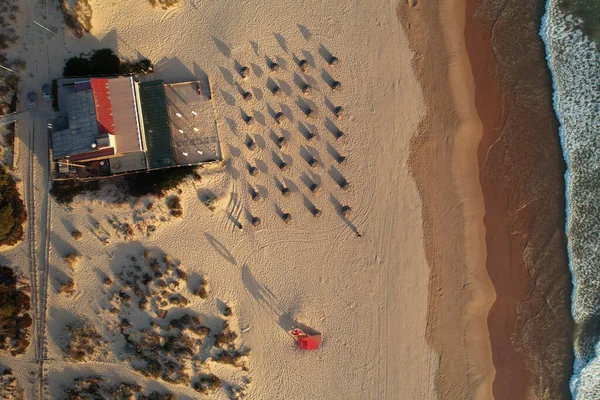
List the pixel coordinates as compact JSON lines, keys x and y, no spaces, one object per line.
{"x":220,"y":248}
{"x":268,"y":301}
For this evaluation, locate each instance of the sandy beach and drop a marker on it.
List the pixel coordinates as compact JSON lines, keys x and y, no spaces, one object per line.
{"x":418,"y":292}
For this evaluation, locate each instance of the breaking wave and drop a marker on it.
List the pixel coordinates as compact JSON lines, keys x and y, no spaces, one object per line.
{"x":575,"y":65}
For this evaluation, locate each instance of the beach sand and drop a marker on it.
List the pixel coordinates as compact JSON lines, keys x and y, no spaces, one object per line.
{"x":368,"y":295}
{"x":444,"y":165}
{"x":403,"y":306}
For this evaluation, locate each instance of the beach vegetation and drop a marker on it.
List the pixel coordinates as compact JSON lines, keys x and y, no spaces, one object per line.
{"x":207,"y":384}
{"x":72,"y":258}
{"x":164,"y":4}
{"x":12,"y":210}
{"x":158,"y":182}
{"x":78,"y":18}
{"x":210,"y":201}
{"x":14,"y":318}
{"x":174,"y":205}
{"x":104,"y":62}
{"x":65,"y":191}
{"x":67,"y":287}
{"x":9,"y":387}
{"x":55,"y":95}
{"x":95,"y":387}
{"x":84,"y":343}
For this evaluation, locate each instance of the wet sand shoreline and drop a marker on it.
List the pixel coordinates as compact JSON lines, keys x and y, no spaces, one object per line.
{"x":522,"y":181}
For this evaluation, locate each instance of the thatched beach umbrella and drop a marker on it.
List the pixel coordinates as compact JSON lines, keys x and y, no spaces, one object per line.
{"x":276,"y":90}
{"x":247,"y":96}
{"x":315,"y":212}
{"x":283,"y":166}
{"x":313,"y":162}
{"x":303,"y":64}
{"x":279,"y":117}
{"x":339,"y":134}
{"x":253,"y":171}
{"x":315,"y":189}
{"x":346,"y":210}
{"x":256,"y":222}
{"x":306,"y":89}
{"x":341,"y":160}
{"x":249,"y":120}
{"x":285,"y":191}
{"x":244,"y":72}
{"x":308,"y":112}
{"x":286,"y":218}
{"x":344,"y":185}
{"x":310,"y":136}
{"x":339,"y":112}
{"x":333,"y":61}
{"x":251,"y":144}
{"x":256,"y":195}
{"x":274,"y":66}
{"x":336,"y":85}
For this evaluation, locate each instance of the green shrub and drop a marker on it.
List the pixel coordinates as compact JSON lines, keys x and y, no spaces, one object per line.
{"x":65,"y":191}
{"x":157,"y":182}
{"x":104,"y":62}
{"x":12,"y":210}
{"x":55,"y":95}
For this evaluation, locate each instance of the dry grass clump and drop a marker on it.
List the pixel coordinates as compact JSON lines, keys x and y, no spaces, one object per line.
{"x":226,"y":338}
{"x":72,"y":258}
{"x":15,"y":320}
{"x":174,"y":205}
{"x":85,"y":344}
{"x":164,"y":4}
{"x":78,"y":18}
{"x":207,"y":384}
{"x":210,"y":201}
{"x":202,"y":290}
{"x":233,"y":357}
{"x":158,"y":346}
{"x":123,"y":230}
{"x":67,"y":287}
{"x":95,"y":387}
{"x":9,"y":388}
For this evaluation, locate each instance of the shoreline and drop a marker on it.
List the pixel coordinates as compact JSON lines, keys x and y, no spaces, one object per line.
{"x":444,"y":165}
{"x":530,"y":323}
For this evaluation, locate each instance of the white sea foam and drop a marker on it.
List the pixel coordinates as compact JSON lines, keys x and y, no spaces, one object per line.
{"x":575,"y":65}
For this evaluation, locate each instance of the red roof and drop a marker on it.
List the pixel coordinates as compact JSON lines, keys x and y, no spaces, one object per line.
{"x":310,"y":342}
{"x":104,"y":111}
{"x":106,"y":152}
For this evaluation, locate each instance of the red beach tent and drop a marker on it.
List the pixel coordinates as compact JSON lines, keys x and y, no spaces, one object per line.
{"x":306,"y":342}
{"x":310,"y":342}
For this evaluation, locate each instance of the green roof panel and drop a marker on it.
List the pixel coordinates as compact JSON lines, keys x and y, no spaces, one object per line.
{"x":156,"y":124}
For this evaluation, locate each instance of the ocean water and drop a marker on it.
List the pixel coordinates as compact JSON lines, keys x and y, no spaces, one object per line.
{"x":575,"y":65}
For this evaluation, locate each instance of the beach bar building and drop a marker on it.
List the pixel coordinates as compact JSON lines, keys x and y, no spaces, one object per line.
{"x":117,"y":125}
